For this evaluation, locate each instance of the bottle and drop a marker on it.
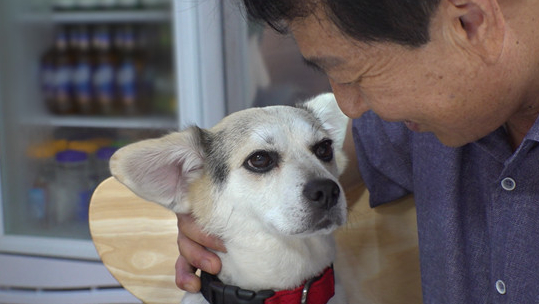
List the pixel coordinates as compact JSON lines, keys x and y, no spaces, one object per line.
{"x":107,"y":4}
{"x":153,"y":4}
{"x":103,"y":76}
{"x":129,"y":74}
{"x":162,"y":82}
{"x":103,"y":156}
{"x":87,"y":5}
{"x":41,"y":158}
{"x":46,"y":69}
{"x":84,"y":66}
{"x":63,"y":72}
{"x":73,"y":38}
{"x":102,"y":141}
{"x":128,"y":4}
{"x":71,"y":189}
{"x":89,"y":147}
{"x":164,"y":102}
{"x":63,"y":5}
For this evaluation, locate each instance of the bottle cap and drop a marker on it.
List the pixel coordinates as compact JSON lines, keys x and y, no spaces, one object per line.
{"x":46,"y":149}
{"x":41,"y":151}
{"x":105,"y":153}
{"x":102,"y":141}
{"x":83,"y":145}
{"x":71,"y":156}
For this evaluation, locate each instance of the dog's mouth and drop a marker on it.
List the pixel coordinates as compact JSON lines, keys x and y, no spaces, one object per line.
{"x":324,"y":224}
{"x":328,"y":222}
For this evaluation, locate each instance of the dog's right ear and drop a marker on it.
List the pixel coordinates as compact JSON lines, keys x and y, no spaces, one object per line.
{"x":160,"y":170}
{"x":325,"y":108}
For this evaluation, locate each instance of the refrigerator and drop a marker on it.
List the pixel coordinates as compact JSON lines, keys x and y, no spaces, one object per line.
{"x":81,"y":78}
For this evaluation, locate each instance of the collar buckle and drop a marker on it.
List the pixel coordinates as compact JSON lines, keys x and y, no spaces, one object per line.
{"x":216,"y":292}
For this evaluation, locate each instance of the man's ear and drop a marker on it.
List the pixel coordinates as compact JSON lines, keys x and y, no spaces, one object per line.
{"x":160,"y":170}
{"x":480,"y":26}
{"x":325,"y":108}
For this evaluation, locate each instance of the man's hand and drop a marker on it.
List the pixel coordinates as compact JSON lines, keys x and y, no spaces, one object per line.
{"x":192,"y":243}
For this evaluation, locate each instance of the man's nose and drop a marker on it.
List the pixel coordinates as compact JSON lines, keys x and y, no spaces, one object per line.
{"x":350,"y":99}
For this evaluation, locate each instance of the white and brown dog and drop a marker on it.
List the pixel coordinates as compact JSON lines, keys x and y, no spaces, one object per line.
{"x":265,"y":180}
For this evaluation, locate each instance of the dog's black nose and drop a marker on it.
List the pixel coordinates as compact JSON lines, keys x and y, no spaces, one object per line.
{"x":323,"y":193}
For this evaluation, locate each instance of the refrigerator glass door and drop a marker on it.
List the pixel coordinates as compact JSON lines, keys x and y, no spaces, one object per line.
{"x":263,"y":67}
{"x":77,"y":81}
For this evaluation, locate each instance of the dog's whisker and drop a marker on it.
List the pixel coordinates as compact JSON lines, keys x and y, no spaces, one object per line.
{"x":229,"y":217}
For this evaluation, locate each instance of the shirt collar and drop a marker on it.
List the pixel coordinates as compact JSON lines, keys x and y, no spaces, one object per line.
{"x":498,"y":145}
{"x":533,"y":134}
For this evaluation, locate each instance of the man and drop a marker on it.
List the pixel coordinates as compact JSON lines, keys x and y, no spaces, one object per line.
{"x":445,"y":100}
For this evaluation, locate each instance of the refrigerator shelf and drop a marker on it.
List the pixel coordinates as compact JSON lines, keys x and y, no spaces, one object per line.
{"x":146,"y":122}
{"x":132,"y":16}
{"x":52,"y":247}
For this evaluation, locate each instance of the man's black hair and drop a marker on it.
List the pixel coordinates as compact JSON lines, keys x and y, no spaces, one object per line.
{"x":405,"y":22}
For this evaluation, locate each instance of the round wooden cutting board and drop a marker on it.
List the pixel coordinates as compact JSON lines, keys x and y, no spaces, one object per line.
{"x":136,"y":241}
{"x":377,"y":252}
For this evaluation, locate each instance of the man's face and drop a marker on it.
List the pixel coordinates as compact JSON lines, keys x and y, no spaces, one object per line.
{"x":440,"y":87}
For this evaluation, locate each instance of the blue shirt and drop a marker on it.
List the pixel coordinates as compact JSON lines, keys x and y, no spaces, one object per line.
{"x":477,"y":208}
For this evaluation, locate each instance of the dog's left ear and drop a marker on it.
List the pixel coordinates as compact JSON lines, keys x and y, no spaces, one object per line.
{"x":161,"y":170}
{"x":325,"y":108}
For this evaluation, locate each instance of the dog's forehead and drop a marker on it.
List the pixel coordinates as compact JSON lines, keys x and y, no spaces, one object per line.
{"x":277,"y":128}
{"x":267,"y":124}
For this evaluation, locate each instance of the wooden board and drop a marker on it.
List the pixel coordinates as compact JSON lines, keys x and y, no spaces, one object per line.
{"x":136,"y":240}
{"x":377,"y":252}
{"x":378,"y":255}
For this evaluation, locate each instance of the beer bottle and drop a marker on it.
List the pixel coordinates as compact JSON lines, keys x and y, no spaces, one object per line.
{"x":63,"y":72}
{"x":84,"y":67}
{"x":46,"y":69}
{"x":129,"y":74}
{"x":103,"y":76}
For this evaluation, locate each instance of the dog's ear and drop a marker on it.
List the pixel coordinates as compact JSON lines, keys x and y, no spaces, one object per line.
{"x":325,"y":108}
{"x":160,"y":170}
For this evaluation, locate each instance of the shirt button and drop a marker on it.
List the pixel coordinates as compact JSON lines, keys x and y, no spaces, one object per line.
{"x":500,"y":287}
{"x":508,"y":184}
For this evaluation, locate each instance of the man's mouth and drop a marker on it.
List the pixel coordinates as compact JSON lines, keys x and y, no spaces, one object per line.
{"x":412,"y":125}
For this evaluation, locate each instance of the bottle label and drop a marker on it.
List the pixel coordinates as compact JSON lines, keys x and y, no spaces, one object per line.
{"x":63,"y":88}
{"x":62,"y":80}
{"x":47,"y":80}
{"x":83,"y":81}
{"x":127,"y":81}
{"x":104,"y":81}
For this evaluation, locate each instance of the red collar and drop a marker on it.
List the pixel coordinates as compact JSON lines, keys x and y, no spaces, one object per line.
{"x":315,"y":291}
{"x":321,"y":289}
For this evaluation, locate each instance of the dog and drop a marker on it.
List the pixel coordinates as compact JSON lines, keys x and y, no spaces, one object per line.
{"x":264,"y":180}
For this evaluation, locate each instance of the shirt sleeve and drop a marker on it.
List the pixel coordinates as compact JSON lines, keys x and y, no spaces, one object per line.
{"x":384,"y":157}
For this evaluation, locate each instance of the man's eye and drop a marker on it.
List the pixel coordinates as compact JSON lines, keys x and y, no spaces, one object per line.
{"x":324,"y":150}
{"x":314,"y":66}
{"x":261,"y":161}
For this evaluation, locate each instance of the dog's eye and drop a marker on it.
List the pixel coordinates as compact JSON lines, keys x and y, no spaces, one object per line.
{"x":261,"y":161}
{"x":324,"y":150}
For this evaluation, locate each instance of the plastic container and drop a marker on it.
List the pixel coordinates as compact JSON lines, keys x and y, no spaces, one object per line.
{"x":103,"y":156}
{"x":72,"y":187}
{"x":89,"y":147}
